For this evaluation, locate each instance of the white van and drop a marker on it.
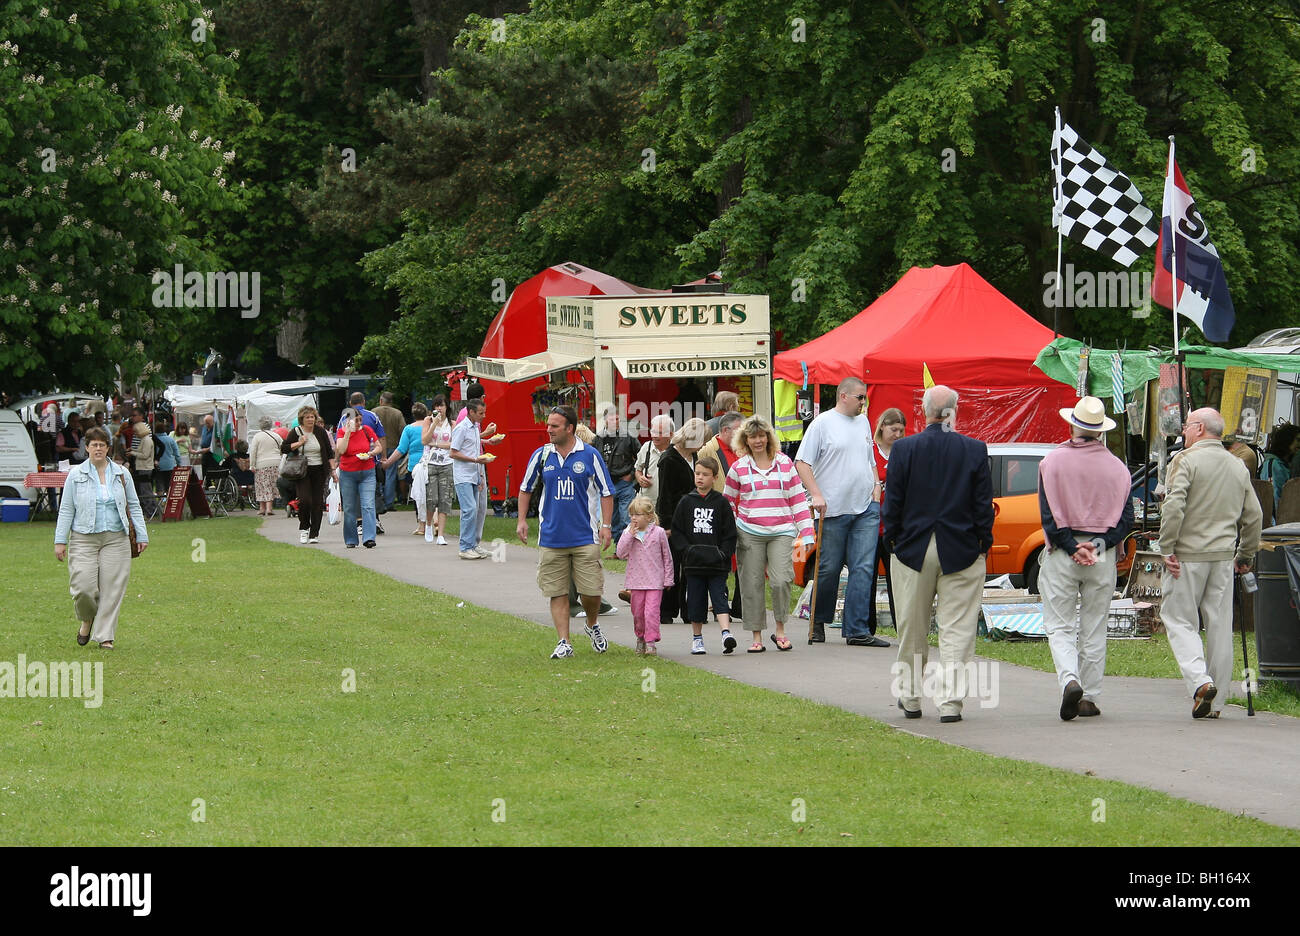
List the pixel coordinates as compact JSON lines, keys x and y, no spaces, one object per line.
{"x":17,"y":456}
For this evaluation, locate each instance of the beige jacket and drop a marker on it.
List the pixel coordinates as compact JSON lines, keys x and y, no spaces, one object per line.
{"x":710,"y":448}
{"x":1210,"y":512}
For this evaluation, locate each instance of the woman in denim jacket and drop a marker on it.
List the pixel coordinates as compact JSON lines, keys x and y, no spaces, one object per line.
{"x":92,"y":535}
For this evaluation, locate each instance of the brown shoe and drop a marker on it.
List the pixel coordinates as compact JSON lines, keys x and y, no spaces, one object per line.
{"x":1070,"y":700}
{"x":1201,"y":701}
{"x":625,"y":595}
{"x":1088,"y":709}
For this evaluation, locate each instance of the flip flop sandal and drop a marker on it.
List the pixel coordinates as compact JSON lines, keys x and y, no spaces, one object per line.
{"x":782,"y":643}
{"x":757,"y":648}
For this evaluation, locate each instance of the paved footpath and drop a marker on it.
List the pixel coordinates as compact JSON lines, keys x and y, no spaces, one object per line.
{"x":1145,"y":735}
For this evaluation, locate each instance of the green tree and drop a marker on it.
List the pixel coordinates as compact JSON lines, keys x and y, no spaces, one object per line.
{"x":110,"y":151}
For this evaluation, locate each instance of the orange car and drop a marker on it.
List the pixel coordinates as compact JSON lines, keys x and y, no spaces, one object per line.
{"x":1018,"y":527}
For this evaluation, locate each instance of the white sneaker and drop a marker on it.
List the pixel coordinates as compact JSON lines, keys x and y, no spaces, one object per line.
{"x":485,"y":553}
{"x":471,"y":554}
{"x":302,"y":536}
{"x":697,"y":646}
{"x":314,"y":539}
{"x":441,"y":541}
{"x":563,"y":650}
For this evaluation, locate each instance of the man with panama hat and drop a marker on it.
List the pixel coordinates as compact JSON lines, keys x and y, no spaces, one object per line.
{"x":1087,"y":511}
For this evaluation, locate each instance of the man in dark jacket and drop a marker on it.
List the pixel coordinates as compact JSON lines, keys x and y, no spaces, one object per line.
{"x":619,"y":449}
{"x":939,"y":524}
{"x":703,"y":533}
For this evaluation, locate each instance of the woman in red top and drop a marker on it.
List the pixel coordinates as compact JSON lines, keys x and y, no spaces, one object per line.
{"x":890,"y":427}
{"x":357,"y":447}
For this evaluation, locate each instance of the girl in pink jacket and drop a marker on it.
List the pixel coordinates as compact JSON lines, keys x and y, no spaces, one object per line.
{"x":644,"y":545}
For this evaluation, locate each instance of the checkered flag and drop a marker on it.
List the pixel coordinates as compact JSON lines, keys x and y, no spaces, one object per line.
{"x":1095,"y":205}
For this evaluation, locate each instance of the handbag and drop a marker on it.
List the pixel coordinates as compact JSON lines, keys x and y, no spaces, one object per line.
{"x":293,"y":466}
{"x":130,"y":524}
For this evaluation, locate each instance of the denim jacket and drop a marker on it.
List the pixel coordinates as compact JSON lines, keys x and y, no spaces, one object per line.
{"x":77,"y":507}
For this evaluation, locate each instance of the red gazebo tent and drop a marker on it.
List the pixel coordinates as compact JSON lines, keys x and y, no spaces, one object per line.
{"x":971,"y":337}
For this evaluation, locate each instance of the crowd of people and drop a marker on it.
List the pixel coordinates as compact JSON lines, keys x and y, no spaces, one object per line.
{"x":696,"y":503}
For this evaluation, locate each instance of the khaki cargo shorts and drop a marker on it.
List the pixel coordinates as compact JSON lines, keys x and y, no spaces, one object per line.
{"x":555,"y":567}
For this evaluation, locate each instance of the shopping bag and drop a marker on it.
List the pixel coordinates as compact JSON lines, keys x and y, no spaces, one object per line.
{"x":804,"y":609}
{"x":334,"y":504}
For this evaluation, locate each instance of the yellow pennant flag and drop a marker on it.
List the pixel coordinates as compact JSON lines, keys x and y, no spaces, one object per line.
{"x":926,"y":380}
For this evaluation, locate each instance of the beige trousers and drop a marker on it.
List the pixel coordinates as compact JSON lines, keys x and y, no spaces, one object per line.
{"x":759,"y":558}
{"x":1076,"y":604}
{"x":99,"y":568}
{"x":958,"y":617}
{"x":1202,"y":592}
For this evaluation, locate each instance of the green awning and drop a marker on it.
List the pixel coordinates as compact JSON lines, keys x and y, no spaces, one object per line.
{"x":1060,"y":361}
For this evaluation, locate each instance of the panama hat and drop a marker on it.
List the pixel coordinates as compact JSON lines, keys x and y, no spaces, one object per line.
{"x":1089,"y":413}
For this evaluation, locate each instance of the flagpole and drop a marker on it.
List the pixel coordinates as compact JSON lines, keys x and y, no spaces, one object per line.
{"x":1173,"y":250}
{"x":1171,"y":180}
{"x":1060,"y":196}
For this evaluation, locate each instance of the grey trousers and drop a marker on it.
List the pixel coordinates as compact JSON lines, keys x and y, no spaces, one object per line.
{"x":755,"y":556}
{"x":1076,"y":604}
{"x":1203,"y":592}
{"x":99,"y":569}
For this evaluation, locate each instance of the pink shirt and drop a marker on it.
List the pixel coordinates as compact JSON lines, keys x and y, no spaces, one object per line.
{"x":770,"y":503}
{"x":649,"y":562}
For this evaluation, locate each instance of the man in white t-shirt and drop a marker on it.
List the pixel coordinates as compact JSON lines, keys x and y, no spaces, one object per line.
{"x":838,"y":468}
{"x":470,"y":479}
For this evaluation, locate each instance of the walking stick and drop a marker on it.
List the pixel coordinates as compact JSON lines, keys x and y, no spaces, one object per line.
{"x":817,"y":551}
{"x":1245,"y":658}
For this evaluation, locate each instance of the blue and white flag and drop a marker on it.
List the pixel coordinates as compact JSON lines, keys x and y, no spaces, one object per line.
{"x":1202,"y":289}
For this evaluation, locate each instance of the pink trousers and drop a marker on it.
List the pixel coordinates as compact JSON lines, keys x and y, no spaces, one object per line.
{"x":645,"y":613}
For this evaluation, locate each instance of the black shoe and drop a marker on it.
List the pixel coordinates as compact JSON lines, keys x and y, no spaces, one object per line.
{"x":369,"y":544}
{"x":379,"y":527}
{"x":908,"y":712}
{"x":949,"y":719}
{"x":1070,"y":700}
{"x":1088,"y":709}
{"x":818,"y":634}
{"x":869,"y":640}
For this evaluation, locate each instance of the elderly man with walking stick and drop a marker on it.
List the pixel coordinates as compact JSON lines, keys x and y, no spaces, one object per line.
{"x":939,"y":526}
{"x":838,"y":469}
{"x":1210,"y":519}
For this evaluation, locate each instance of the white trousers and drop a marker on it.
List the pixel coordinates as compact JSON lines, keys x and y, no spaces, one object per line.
{"x":1076,"y":602}
{"x":1203,"y":588}
{"x":957,"y":616}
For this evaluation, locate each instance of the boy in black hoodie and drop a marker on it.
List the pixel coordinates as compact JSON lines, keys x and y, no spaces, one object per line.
{"x":703,"y":532}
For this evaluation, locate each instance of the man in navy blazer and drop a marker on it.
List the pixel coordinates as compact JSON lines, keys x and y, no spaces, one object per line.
{"x":938,"y":520}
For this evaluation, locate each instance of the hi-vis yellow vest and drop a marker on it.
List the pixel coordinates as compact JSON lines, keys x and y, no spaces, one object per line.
{"x":785,"y":409}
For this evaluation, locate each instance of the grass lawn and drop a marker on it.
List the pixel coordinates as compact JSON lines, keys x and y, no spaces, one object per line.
{"x":228,"y":686}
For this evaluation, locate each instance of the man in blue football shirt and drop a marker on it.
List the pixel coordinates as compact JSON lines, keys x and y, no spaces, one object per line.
{"x":574,"y":514}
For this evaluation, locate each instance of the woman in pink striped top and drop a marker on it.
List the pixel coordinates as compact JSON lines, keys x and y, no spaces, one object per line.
{"x":771,"y":510}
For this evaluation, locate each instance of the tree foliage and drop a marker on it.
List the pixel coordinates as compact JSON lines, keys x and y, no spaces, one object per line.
{"x":109,"y":155}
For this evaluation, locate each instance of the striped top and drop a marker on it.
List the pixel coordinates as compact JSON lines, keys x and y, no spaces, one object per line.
{"x":771,"y":502}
